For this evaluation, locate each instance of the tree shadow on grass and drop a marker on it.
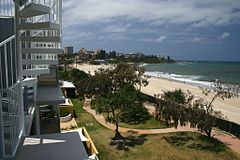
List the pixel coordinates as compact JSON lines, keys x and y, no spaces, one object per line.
{"x":179,"y":139}
{"x":200,"y":142}
{"x":209,"y":144}
{"x":128,"y":142}
{"x":137,"y":116}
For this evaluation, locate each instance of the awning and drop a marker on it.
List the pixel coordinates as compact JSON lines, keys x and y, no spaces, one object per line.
{"x":50,"y":95}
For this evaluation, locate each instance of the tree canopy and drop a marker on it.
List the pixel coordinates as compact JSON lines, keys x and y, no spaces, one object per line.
{"x":118,"y":104}
{"x":173,"y":107}
{"x":117,"y":92}
{"x":182,"y":108}
{"x":113,"y":79}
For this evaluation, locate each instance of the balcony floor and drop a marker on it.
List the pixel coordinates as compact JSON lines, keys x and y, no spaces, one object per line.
{"x":62,"y":146}
{"x":50,"y":95}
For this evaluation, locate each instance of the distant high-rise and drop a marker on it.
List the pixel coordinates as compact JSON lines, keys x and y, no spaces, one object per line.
{"x":68,"y":50}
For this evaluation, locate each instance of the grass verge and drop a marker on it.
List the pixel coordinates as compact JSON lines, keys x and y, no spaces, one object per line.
{"x":171,"y":146}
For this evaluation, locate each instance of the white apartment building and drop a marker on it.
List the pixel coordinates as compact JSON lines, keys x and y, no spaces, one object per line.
{"x":30,"y":40}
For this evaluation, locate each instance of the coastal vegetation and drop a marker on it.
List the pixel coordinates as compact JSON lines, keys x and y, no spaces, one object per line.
{"x":183,"y":108}
{"x":160,"y":146}
{"x":173,"y":107}
{"x":139,"y":58}
{"x":135,"y":57}
{"x":112,"y":57}
{"x":118,"y":104}
{"x":116,"y":92}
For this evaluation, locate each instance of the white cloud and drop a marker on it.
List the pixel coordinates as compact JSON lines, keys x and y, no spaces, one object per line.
{"x":197,"y":39}
{"x":113,"y":36}
{"x":142,"y":20}
{"x":161,"y":38}
{"x":198,"y":13}
{"x":225,"y":35}
{"x":117,"y":28}
{"x":72,"y":35}
{"x":144,"y":30}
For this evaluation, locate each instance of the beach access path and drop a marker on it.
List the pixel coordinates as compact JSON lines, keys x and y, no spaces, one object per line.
{"x":228,"y":139}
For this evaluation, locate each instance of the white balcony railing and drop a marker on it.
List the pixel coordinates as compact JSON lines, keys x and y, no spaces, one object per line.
{"x":11,"y":124}
{"x":8,"y":63}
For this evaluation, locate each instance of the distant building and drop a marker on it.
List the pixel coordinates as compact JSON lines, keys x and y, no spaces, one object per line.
{"x":68,"y":50}
{"x":133,"y":55}
{"x":87,"y":55}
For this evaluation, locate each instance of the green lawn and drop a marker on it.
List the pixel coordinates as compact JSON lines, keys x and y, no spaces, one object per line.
{"x":151,"y":123}
{"x":172,"y":146}
{"x":141,"y":120}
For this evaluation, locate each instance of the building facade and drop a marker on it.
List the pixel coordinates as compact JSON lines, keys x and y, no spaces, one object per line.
{"x":68,"y":50}
{"x":30,"y":41}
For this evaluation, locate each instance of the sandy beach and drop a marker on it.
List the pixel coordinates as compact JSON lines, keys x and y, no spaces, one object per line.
{"x":230,"y":108}
{"x":88,"y":68}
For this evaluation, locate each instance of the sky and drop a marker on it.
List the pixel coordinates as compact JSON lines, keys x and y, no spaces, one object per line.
{"x":181,"y":29}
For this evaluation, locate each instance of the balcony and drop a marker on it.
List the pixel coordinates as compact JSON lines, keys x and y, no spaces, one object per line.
{"x":62,"y":146}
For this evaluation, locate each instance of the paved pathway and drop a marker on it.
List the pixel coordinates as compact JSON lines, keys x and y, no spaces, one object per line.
{"x":230,"y":140}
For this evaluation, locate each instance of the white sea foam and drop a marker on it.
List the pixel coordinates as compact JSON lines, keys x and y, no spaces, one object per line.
{"x":184,"y":63}
{"x":143,"y":65}
{"x":191,"y":79}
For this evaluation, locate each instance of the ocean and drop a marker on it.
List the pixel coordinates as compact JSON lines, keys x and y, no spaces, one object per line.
{"x":199,"y":72}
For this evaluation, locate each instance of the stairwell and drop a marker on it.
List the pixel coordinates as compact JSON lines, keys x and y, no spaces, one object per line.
{"x":41,"y":36}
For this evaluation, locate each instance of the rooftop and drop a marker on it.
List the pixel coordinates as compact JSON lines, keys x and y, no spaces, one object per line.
{"x":67,"y":84}
{"x":50,"y":95}
{"x":61,"y":146}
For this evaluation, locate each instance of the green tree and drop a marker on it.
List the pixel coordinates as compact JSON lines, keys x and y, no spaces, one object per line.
{"x":182,"y":108}
{"x":140,"y":79}
{"x":203,"y":115}
{"x":128,"y":74}
{"x":100,"y":84}
{"x":64,"y":75}
{"x":173,"y":106}
{"x":77,"y":75}
{"x":116,"y":93}
{"x":110,"y":80}
{"x":112,"y":54}
{"x":116,"y":105}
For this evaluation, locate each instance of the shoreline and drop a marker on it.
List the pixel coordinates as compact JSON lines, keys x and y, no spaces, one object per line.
{"x":183,"y":82}
{"x":230,"y":108}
